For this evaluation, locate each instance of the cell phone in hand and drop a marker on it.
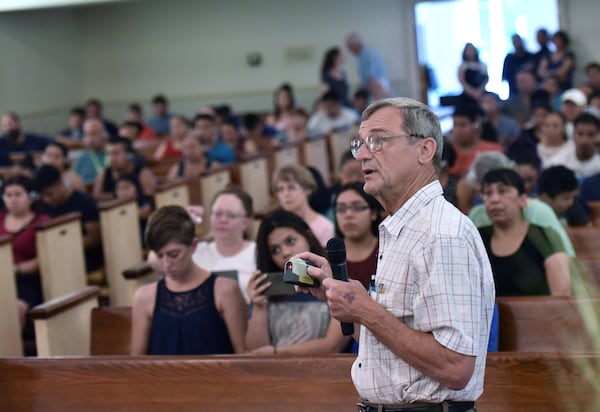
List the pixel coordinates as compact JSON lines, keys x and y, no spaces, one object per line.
{"x":230,"y":274}
{"x":278,"y":286}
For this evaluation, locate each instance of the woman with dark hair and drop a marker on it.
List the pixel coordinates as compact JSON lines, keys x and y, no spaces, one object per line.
{"x":472,"y":75}
{"x":333,"y":77}
{"x":283,"y":104}
{"x":554,"y":142}
{"x":357,"y":217}
{"x":295,"y":324}
{"x":18,"y":219}
{"x":560,"y":62}
{"x":57,"y":154}
{"x":526,"y":259}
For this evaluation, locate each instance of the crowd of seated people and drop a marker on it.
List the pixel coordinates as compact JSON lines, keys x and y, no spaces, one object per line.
{"x":547,"y":132}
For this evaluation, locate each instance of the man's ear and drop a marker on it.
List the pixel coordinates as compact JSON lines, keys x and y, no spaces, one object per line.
{"x":427,"y":150}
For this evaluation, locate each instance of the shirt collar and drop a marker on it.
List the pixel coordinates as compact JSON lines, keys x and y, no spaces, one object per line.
{"x":393,"y":224}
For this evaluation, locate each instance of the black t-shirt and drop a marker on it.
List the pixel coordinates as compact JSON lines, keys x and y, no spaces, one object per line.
{"x":77,"y":202}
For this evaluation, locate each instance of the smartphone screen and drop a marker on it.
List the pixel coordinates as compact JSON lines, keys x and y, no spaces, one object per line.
{"x":278,"y":286}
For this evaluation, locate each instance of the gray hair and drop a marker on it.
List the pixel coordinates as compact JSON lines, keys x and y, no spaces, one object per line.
{"x":417,"y":119}
{"x":485,"y":162}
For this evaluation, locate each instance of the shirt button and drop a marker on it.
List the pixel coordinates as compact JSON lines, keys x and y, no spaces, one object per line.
{"x":360,"y":365}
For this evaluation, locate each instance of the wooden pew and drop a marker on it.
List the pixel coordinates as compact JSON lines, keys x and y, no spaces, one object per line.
{"x":172,"y":193}
{"x":513,"y":382}
{"x":62,"y":325}
{"x":61,"y":256}
{"x":585,"y":241}
{"x":339,"y":142}
{"x":209,"y":184}
{"x":287,"y":153}
{"x":10,"y":330}
{"x":315,"y":153}
{"x":253,"y":176}
{"x":122,"y":245}
{"x":545,"y":324}
{"x":110,"y":331}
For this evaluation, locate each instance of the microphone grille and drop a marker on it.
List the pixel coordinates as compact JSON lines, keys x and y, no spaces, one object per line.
{"x":336,"y":249}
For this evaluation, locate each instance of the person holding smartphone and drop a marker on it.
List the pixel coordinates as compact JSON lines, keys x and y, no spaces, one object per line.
{"x":296,"y":324}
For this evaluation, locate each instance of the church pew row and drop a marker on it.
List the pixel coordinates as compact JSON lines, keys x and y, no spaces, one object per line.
{"x":513,"y":382}
{"x":10,"y":330}
{"x":548,"y":324}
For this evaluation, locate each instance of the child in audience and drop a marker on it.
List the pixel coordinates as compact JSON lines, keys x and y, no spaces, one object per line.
{"x":296,"y":324}
{"x":293,"y":185}
{"x":190,"y":311}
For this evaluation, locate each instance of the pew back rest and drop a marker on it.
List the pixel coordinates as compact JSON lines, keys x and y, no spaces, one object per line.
{"x":121,"y":245}
{"x":315,"y":153}
{"x":111,"y":331}
{"x":585,"y":241}
{"x":60,"y":253}
{"x":544,"y":324}
{"x":513,"y":382}
{"x":10,"y":330}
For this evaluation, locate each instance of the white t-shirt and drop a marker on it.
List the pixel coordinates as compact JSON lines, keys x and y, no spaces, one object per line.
{"x":208,"y":257}
{"x":582,"y":168}
{"x":320,"y":123}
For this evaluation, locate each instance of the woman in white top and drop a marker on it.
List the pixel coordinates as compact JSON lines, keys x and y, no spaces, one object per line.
{"x":293,"y":185}
{"x":230,"y":216}
{"x":553,"y":139}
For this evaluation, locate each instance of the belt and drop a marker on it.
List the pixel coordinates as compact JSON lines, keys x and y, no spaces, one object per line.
{"x":446,"y":406}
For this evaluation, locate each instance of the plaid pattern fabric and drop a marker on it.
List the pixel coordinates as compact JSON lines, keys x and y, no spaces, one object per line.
{"x":434,"y":275}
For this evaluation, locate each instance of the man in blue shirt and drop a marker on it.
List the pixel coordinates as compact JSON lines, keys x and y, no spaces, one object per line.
{"x":371,"y":69}
{"x":217,"y":152}
{"x":160,"y":121}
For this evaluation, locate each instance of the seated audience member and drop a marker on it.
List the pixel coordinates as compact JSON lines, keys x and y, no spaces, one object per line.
{"x":298,"y":324}
{"x":573,"y":104}
{"x":357,"y":217}
{"x":231,"y":135}
{"x":94,"y":158}
{"x":130,"y":130}
{"x":190,"y":311}
{"x":505,"y":127}
{"x":553,"y":139}
{"x":216,"y":151}
{"x":551,"y":84}
{"x":526,"y":259}
{"x":350,"y":171}
{"x":170,"y":148}
{"x":297,"y":126}
{"x":468,"y":189}
{"x":119,"y":151}
{"x":535,"y":211}
{"x":127,"y":187}
{"x":93,"y":110}
{"x":558,"y":187}
{"x":519,"y":105}
{"x":259,"y":137}
{"x":58,"y":200}
{"x":530,"y":136}
{"x":293,"y":185}
{"x":589,"y":195}
{"x":229,"y":249}
{"x":193,"y":162}
{"x":73,"y":134}
{"x":18,"y":219}
{"x":333,"y":115}
{"x":15,"y":140}
{"x":283,"y":103}
{"x":582,"y":158}
{"x":160,"y":120}
{"x":594,"y":104}
{"x":135,"y":114}
{"x":528,"y":167}
{"x":466,"y":139}
{"x":448,"y":181}
{"x":592,"y":76}
{"x":360,"y":100}
{"x":56,"y":154}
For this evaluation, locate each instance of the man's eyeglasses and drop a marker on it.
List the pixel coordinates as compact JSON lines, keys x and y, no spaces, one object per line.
{"x":354,"y":207}
{"x":374,"y":143}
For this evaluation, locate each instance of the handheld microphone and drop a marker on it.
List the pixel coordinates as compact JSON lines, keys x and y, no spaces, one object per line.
{"x":336,"y":253}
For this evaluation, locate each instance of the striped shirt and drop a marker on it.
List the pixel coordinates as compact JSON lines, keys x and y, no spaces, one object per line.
{"x":434,"y":275}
